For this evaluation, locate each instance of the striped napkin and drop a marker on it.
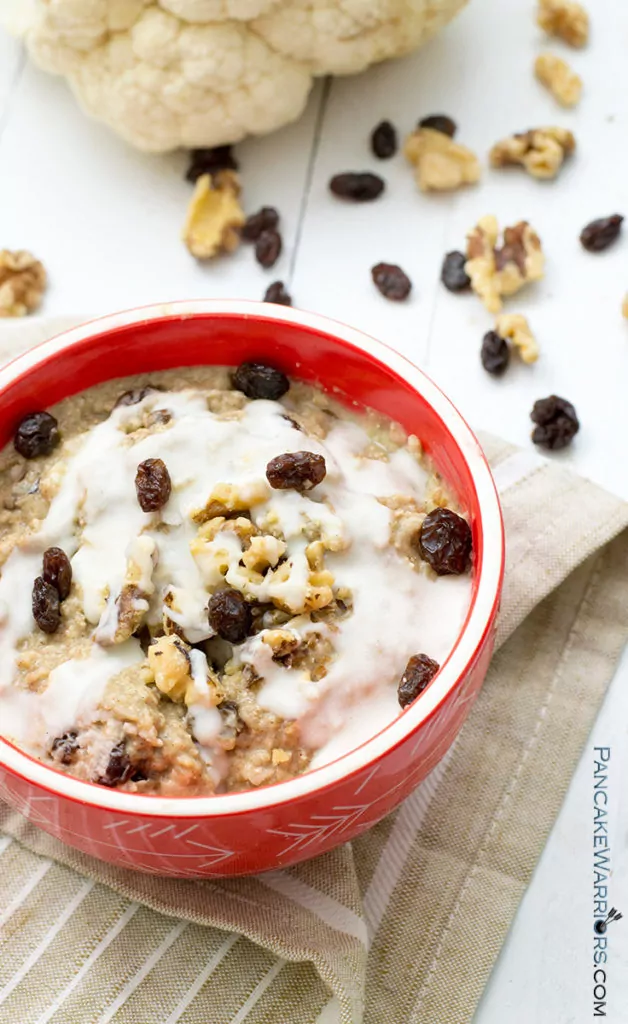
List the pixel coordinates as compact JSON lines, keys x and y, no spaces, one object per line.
{"x":405,"y":923}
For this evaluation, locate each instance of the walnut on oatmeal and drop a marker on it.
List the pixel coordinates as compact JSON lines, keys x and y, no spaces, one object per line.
{"x":22,"y":283}
{"x":515,"y":328}
{"x":441,"y":164}
{"x":541,"y":151}
{"x":496,"y":270}
{"x":214,"y":216}
{"x":565,"y":19}
{"x":555,"y":73}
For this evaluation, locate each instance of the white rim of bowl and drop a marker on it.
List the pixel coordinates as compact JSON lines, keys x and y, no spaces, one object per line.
{"x":463,"y":654}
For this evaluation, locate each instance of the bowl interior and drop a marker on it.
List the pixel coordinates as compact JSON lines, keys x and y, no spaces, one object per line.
{"x":116,"y":347}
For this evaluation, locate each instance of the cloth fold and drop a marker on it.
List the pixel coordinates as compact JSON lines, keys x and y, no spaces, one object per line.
{"x":406,"y":922}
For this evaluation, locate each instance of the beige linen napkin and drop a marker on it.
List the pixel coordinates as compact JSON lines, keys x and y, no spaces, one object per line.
{"x":405,"y":923}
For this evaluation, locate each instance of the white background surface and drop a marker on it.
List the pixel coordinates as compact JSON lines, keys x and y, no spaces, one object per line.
{"x":106,"y":222}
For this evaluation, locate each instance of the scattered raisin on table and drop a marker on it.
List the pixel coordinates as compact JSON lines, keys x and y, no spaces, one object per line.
{"x":556,"y":422}
{"x":418,"y":673}
{"x":57,"y":571}
{"x":135,"y":395}
{"x":445,"y":542}
{"x":599,"y":234}
{"x":37,"y":434}
{"x":384,"y":140}
{"x":265,"y":219}
{"x":440,"y":123}
{"x":119,"y":768}
{"x":495,"y":353}
{"x":257,"y":380}
{"x":153,"y":485}
{"x":64,"y":748}
{"x":276,"y":292}
{"x":453,"y":275}
{"x":296,"y":471}
{"x":208,"y":161}
{"x":268,"y":248}
{"x":46,"y":610}
{"x":359,"y":186}
{"x":230,"y":616}
{"x":391,"y":281}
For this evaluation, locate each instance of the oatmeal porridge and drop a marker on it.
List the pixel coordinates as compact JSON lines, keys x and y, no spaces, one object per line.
{"x":212,"y":580}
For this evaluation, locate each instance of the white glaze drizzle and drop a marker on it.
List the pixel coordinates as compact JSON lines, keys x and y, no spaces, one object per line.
{"x":95,"y":517}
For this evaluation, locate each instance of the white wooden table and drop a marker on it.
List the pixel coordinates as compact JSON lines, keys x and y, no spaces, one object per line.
{"x":106,"y":222}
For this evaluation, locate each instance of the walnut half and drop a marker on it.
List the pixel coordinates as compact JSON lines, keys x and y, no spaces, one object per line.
{"x":555,"y":73}
{"x":565,"y":19}
{"x":516,"y":328}
{"x":496,"y":270}
{"x":441,"y":164}
{"x":22,"y":282}
{"x":214,"y":215}
{"x":541,"y":151}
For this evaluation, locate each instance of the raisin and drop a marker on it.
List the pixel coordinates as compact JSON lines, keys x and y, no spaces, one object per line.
{"x":64,"y":748}
{"x":46,"y":610}
{"x":265,"y":219}
{"x":37,"y":434}
{"x":418,"y":673}
{"x":119,"y":768}
{"x":445,"y":542}
{"x":58,"y":571}
{"x":556,"y":422}
{"x":391,"y":281}
{"x":257,"y":380}
{"x":208,"y":161}
{"x":268,"y":248}
{"x":153,"y":485}
{"x":276,"y":292}
{"x":230,"y":615}
{"x":599,"y":234}
{"x":440,"y":123}
{"x":495,"y":353}
{"x":135,"y":395}
{"x":296,"y":471}
{"x":359,"y":186}
{"x":384,"y":140}
{"x":232,"y":723}
{"x":452,"y":274}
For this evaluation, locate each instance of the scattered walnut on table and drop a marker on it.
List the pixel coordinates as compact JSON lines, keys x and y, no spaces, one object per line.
{"x":214,"y":215}
{"x":22,"y":282}
{"x":624,"y":306}
{"x":515,"y":327}
{"x":496,"y":270}
{"x":441,"y":164}
{"x":555,"y":73}
{"x":541,"y":151}
{"x":565,"y":19}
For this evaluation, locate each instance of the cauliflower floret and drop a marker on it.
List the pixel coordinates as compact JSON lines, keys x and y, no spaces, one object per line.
{"x":171,"y":73}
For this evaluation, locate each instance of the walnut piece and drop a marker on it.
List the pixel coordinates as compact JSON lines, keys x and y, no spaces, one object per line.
{"x":516,"y":328}
{"x":624,"y":306}
{"x":565,"y":19}
{"x":441,"y":164}
{"x":502,"y":270}
{"x":170,"y":666}
{"x":555,"y":73}
{"x":541,"y":151}
{"x":214,"y":215}
{"x":22,"y":282}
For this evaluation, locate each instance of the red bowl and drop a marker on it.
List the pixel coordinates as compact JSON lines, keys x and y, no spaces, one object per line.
{"x":279,"y":825}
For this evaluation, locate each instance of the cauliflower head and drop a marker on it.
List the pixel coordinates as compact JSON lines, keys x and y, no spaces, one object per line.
{"x":192,"y":73}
